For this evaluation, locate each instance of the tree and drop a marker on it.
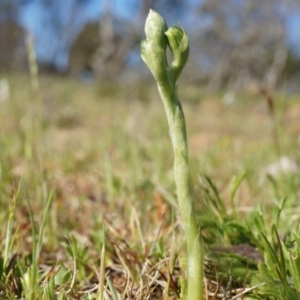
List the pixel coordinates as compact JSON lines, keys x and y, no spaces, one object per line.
{"x":84,"y":48}
{"x":12,"y":47}
{"x":117,"y":40}
{"x":243,"y":41}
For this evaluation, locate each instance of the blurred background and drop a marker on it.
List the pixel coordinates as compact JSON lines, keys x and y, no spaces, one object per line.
{"x":235,"y":44}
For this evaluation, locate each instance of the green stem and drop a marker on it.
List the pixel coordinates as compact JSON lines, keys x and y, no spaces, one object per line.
{"x":154,"y":55}
{"x":185,"y":194}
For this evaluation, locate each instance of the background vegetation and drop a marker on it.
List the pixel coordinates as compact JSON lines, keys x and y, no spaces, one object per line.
{"x":235,"y":44}
{"x":88,"y":208}
{"x":76,"y":177}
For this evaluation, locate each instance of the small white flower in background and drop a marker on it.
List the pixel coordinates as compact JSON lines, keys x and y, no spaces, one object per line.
{"x":4,"y":90}
{"x":229,"y":98}
{"x":285,"y":165}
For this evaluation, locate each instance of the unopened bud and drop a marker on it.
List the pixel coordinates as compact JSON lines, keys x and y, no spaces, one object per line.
{"x":179,"y":46}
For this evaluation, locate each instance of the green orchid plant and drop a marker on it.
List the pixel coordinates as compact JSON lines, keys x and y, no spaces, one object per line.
{"x":153,"y":51}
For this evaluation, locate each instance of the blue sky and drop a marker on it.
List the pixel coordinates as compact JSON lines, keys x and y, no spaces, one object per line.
{"x":293,"y":25}
{"x":53,"y":44}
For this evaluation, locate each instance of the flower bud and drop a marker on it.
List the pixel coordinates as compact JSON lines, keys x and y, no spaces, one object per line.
{"x":155,"y":29}
{"x":153,"y":48}
{"x":179,"y":46}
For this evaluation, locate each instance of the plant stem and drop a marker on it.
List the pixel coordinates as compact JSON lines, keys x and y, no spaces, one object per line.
{"x":185,"y":196}
{"x":154,"y":55}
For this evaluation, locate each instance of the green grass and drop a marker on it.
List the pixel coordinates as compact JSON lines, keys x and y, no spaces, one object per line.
{"x":87,"y":193}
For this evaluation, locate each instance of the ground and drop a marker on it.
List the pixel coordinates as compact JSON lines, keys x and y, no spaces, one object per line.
{"x":90,"y":168}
